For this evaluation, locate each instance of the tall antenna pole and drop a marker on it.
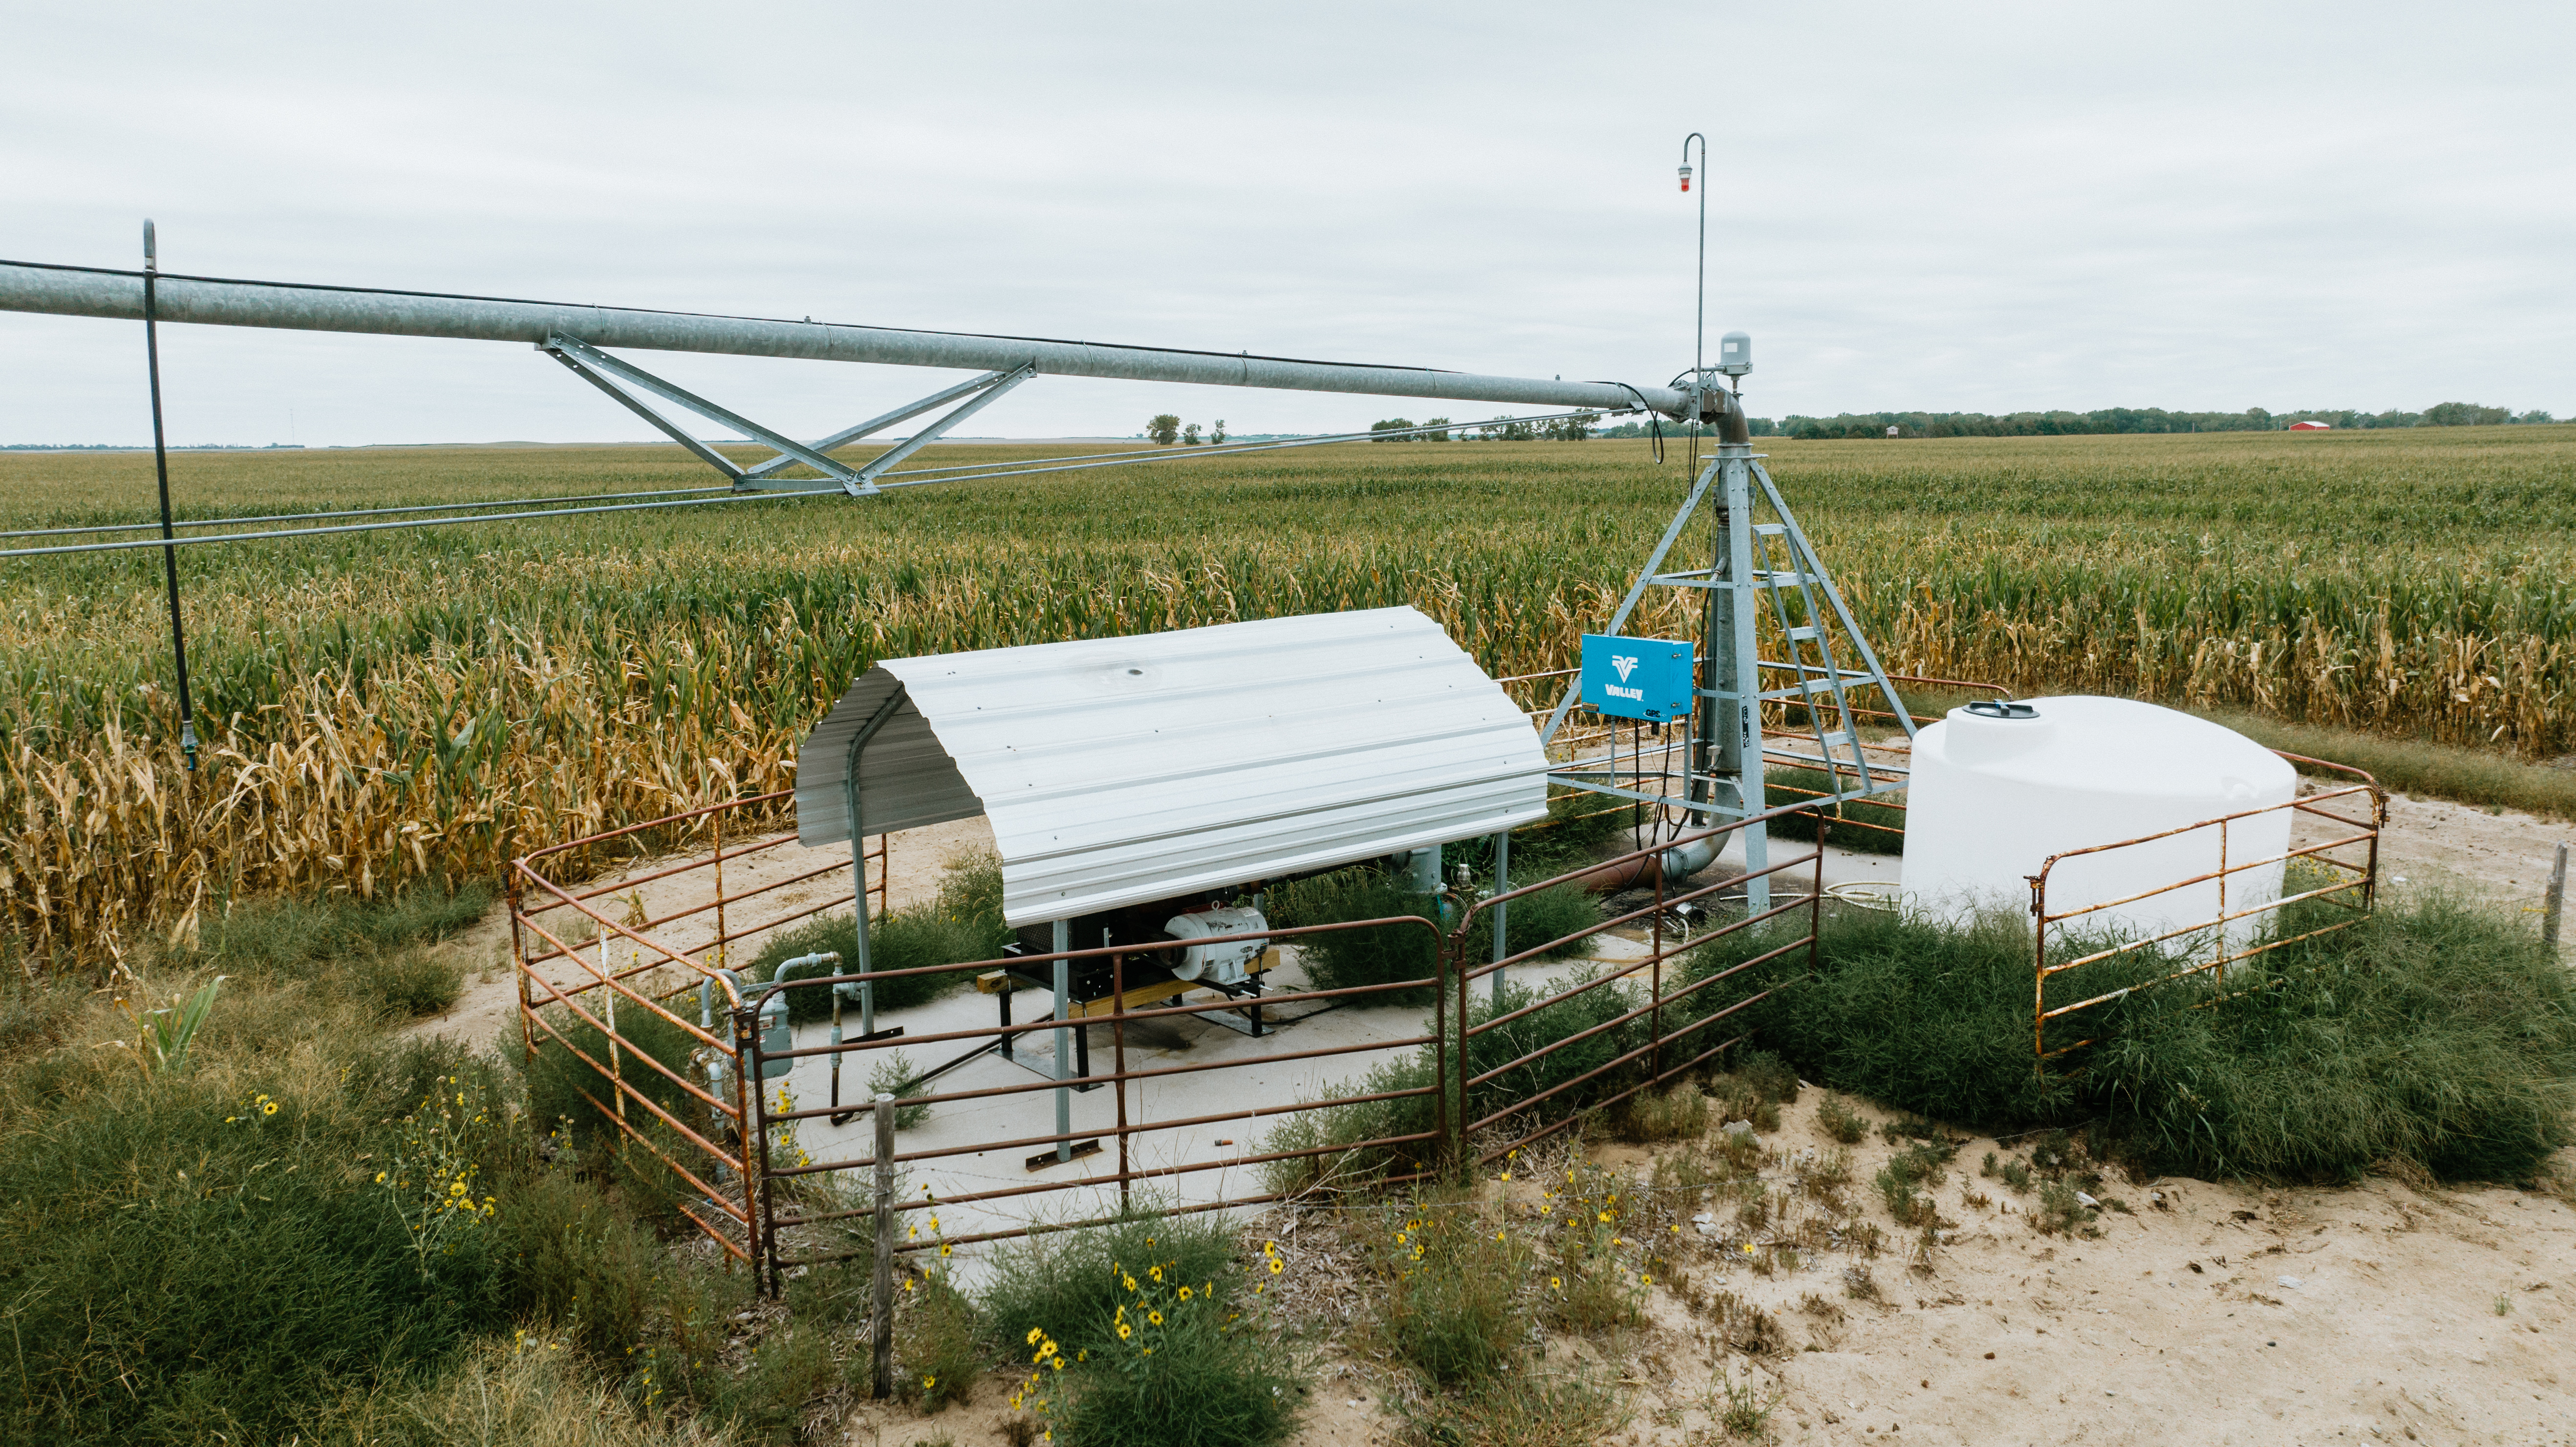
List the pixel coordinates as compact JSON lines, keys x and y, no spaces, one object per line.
{"x":1699,"y":320}
{"x":161,"y":467}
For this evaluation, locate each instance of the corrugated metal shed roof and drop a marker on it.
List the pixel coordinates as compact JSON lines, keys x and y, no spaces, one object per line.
{"x":1121,"y":770}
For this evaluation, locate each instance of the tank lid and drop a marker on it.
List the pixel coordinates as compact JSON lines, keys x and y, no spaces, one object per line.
{"x":1990,"y":731}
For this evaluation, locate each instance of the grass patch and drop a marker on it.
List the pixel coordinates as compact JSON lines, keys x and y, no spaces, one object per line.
{"x":376,"y":953}
{"x":1188,"y":1372}
{"x":562,"y":1089}
{"x":1347,"y":959}
{"x":1140,"y":1333}
{"x":2434,"y":1032}
{"x":2416,"y":766}
{"x":1523,"y":1409}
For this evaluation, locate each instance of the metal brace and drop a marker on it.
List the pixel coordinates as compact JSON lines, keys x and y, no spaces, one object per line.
{"x":597,"y":368}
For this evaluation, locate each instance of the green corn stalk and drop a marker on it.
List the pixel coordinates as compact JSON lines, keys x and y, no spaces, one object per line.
{"x":167,"y":1033}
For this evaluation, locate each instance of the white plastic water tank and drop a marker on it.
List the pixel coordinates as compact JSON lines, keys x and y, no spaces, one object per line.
{"x":1992,"y":797}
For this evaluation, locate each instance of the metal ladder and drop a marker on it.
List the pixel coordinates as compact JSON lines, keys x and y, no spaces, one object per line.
{"x":1819,"y":676}
{"x":1761,"y":564}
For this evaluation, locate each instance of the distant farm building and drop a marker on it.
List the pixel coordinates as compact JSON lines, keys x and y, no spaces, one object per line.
{"x":2312,"y":427}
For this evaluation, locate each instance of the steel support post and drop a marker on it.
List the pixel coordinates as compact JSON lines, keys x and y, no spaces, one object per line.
{"x":1063,"y":1042}
{"x":2554,"y":903}
{"x":881,"y":1314}
{"x":1735,"y":715}
{"x":1502,"y":885}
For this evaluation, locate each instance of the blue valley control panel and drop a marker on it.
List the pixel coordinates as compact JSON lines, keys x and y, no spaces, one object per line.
{"x":1643,"y":678}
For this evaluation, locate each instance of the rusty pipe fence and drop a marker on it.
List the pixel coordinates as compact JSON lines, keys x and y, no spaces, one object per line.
{"x":1462,"y":1087}
{"x":563,"y":944}
{"x":2228,"y":934}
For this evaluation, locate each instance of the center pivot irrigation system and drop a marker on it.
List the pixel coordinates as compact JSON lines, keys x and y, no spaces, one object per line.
{"x":1755,"y":563}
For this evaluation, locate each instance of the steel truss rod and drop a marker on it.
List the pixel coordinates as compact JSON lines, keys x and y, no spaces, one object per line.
{"x":228,"y":301}
{"x":588,"y":362}
{"x":879,"y":423}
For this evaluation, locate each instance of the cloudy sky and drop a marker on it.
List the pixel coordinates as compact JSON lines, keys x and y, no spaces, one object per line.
{"x":1965,"y":206}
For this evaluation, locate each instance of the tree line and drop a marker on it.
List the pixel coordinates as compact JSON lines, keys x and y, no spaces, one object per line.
{"x":2137,"y":419}
{"x":1167,"y":428}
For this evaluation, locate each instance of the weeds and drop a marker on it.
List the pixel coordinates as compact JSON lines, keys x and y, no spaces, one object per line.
{"x":1519,"y":1409}
{"x":1177,"y":1362}
{"x":1743,"y":1411}
{"x":937,"y":1358}
{"x":2061,"y":1213}
{"x":1679,"y":1113}
{"x":1837,"y":1119}
{"x":1450,"y":1289}
{"x":1068,"y":1283}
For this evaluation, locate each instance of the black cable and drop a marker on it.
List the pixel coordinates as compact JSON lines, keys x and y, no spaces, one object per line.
{"x":161,"y":467}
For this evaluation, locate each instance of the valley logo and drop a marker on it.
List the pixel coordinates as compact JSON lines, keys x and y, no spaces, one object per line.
{"x":1625,"y":663}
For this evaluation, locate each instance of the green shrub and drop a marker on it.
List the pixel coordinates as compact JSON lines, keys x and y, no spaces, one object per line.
{"x":1068,"y":1283}
{"x":408,"y":982}
{"x":562,"y":1087}
{"x":1769,"y":1076}
{"x":1918,"y":1167}
{"x":1679,"y":1113}
{"x":1336,"y":1132}
{"x":2437,"y":1032}
{"x":1547,"y":1026}
{"x":572,"y":1261}
{"x":1839,"y":1120}
{"x":893,"y":1075}
{"x":963,"y":925}
{"x":1554,"y":913}
{"x":1347,"y":959}
{"x":1203,"y":1375}
{"x":1905,"y":1012}
{"x":936,"y":1355}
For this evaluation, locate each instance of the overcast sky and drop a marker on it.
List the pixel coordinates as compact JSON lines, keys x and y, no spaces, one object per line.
{"x":1954,"y":207}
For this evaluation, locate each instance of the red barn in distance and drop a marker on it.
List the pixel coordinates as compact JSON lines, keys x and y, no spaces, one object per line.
{"x":2311,"y":427}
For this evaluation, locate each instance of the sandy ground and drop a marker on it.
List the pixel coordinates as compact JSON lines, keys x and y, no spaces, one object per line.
{"x":2205,"y":1314}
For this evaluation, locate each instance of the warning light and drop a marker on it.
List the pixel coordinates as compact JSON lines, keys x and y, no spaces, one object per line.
{"x":1685,"y":178}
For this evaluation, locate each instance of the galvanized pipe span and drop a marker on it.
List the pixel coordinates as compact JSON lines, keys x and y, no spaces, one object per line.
{"x":220,"y":301}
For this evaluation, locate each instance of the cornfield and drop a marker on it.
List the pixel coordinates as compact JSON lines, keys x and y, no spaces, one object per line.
{"x":389,"y":706}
